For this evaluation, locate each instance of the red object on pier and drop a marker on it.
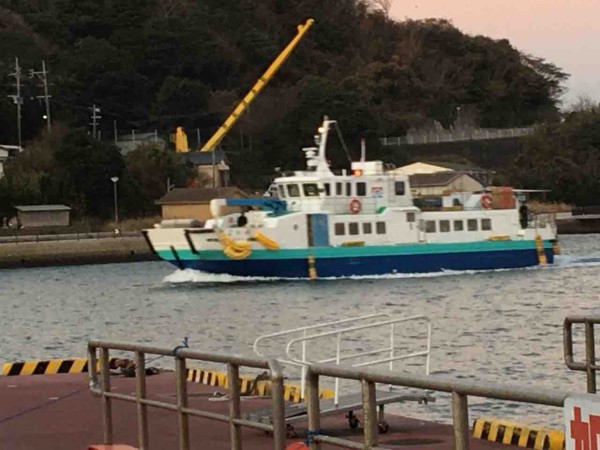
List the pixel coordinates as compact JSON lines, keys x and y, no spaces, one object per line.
{"x":111,"y":447}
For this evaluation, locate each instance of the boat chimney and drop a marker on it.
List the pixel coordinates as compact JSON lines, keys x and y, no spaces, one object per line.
{"x":363,"y":149}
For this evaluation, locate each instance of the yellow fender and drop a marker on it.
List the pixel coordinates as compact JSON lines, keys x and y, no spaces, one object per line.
{"x":267,"y":242}
{"x":235,"y":249}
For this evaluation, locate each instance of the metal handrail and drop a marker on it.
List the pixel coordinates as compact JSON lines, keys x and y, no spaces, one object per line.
{"x":589,"y":366}
{"x":460,"y":391}
{"x":100,"y":385}
{"x":338,"y":358}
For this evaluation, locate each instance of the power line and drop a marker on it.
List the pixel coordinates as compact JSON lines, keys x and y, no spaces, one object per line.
{"x":17,"y":98}
{"x":43,"y":77}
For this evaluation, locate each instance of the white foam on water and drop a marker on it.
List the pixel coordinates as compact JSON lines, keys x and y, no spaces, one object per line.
{"x":564,"y":261}
{"x":196,"y":276}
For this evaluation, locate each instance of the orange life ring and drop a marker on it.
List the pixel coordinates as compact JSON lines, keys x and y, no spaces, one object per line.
{"x":486,"y":201}
{"x":355,"y":206}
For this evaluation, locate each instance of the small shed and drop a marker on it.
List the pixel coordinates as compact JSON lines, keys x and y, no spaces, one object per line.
{"x":194,"y":203}
{"x":423,"y":184}
{"x":31,"y":216}
{"x":211,"y":166}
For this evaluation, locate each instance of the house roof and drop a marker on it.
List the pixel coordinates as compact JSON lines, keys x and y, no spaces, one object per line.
{"x":434,"y":179}
{"x":457,"y":167}
{"x":181,"y":196}
{"x":42,"y":208}
{"x":204,"y":158}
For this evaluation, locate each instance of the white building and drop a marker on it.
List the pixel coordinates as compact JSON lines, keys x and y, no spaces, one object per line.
{"x":3,"y":157}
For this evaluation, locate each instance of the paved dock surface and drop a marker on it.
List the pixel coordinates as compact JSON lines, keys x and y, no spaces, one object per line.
{"x":57,"y":412}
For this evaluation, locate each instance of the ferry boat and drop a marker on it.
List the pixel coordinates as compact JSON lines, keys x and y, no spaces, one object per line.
{"x":358,"y":223}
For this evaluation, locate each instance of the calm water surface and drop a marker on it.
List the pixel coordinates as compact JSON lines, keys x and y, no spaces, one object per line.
{"x":494,"y":326}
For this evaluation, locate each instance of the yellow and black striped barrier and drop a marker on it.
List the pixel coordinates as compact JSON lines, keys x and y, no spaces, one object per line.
{"x":47,"y":367}
{"x":250,"y":385}
{"x":521,"y":435}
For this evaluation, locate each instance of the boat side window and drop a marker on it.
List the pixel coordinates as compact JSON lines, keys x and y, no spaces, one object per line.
{"x":338,"y":189}
{"x":353,"y":228}
{"x":349,"y":189}
{"x":380,"y":227}
{"x":410,"y":217}
{"x":444,"y":226}
{"x":367,"y":229}
{"x":430,"y":226}
{"x":311,"y":190}
{"x":293,"y":190}
{"x":399,"y":187}
{"x":340,"y":229}
{"x":472,"y":224}
{"x":327,"y":187}
{"x":281,"y":191}
{"x":361,"y":189}
{"x":486,"y":224}
{"x":459,"y":225}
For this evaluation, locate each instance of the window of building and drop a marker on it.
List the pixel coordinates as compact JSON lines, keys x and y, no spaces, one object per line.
{"x":399,"y":187}
{"x":338,"y":189}
{"x":430,"y":226}
{"x":367,"y":228}
{"x":459,"y":225}
{"x":353,"y":228}
{"x":486,"y":224}
{"x":340,"y":229}
{"x":444,"y":226}
{"x":281,"y":191}
{"x":293,"y":190}
{"x":311,"y":190}
{"x":380,"y":227}
{"x":472,"y":224}
{"x":349,"y":189}
{"x":410,"y":217}
{"x":361,"y":189}
{"x":327,"y":187}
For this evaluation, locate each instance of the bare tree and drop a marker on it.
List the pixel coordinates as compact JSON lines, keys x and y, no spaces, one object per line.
{"x":383,"y":5}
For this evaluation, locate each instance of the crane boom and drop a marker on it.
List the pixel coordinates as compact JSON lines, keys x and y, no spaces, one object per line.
{"x":216,"y":138}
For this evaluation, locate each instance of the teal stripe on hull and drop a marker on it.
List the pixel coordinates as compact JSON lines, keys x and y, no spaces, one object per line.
{"x":353,"y":252}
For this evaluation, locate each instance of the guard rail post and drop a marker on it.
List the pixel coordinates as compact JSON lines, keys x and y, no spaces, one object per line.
{"x":460,"y":419}
{"x":106,"y":401}
{"x":590,"y":357}
{"x":314,"y":413}
{"x":589,"y":366}
{"x":279,"y":427}
{"x":370,"y":413}
{"x":235,"y":431}
{"x":140,"y":393}
{"x":182,"y":403}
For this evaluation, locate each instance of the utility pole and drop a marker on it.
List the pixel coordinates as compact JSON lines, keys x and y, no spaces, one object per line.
{"x":17,"y":99}
{"x":95,"y":117}
{"x":43,"y":77}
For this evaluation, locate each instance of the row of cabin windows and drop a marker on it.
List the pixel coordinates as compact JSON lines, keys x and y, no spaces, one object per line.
{"x":358,"y":189}
{"x":354,"y":228}
{"x":458,"y":225}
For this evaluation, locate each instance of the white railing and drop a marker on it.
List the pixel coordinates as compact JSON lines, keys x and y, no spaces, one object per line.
{"x":303,"y":360}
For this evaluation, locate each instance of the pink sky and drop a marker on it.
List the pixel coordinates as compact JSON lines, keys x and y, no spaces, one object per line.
{"x":564,"y":32}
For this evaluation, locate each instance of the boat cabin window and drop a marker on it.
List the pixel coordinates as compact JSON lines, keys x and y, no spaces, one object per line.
{"x":293,"y":190}
{"x":486,"y":224}
{"x":459,"y":225}
{"x":400,"y":187}
{"x":472,"y":224}
{"x":340,"y":229}
{"x":361,"y":189}
{"x":349,"y":189}
{"x":410,"y":217}
{"x":281,"y":191}
{"x":338,"y":189}
{"x":367,"y":229}
{"x":327,"y":188}
{"x":353,"y":228}
{"x":444,"y":226}
{"x":380,"y":227}
{"x":430,"y":226}
{"x":311,"y":190}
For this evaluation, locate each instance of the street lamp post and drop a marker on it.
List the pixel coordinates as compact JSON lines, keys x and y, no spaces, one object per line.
{"x":115,"y":180}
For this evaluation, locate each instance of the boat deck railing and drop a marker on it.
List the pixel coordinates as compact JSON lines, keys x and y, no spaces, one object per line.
{"x":589,"y":365}
{"x":460,"y":390}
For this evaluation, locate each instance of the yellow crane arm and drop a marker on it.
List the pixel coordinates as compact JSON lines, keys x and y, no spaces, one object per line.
{"x":257,"y":88}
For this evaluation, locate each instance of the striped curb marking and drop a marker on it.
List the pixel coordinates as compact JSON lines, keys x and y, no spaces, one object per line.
{"x":47,"y":367}
{"x":521,"y":435}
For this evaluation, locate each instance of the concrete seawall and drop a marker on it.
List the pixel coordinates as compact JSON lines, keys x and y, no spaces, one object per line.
{"x":88,"y":251}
